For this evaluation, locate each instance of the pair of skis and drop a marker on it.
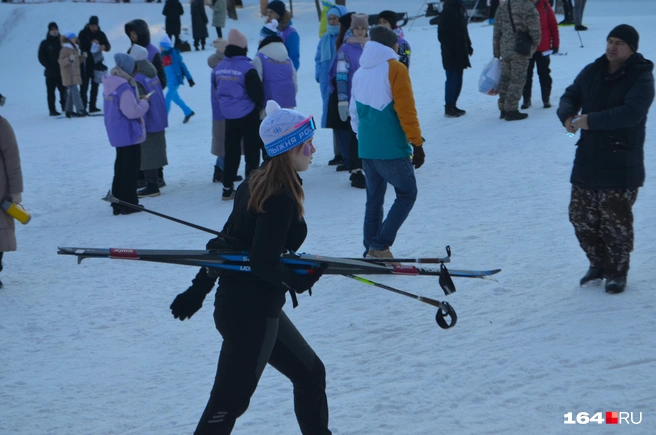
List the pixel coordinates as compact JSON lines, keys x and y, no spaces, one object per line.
{"x":225,"y":261}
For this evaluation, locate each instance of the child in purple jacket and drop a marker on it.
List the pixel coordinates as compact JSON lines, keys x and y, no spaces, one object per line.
{"x":124,"y":112}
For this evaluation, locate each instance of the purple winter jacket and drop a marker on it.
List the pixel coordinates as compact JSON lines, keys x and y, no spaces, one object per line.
{"x":156,"y":119}
{"x":231,"y":86}
{"x":123,"y":112}
{"x":278,"y":81}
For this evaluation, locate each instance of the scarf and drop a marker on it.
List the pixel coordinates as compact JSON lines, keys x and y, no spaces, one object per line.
{"x":327,"y":44}
{"x":116,"y":71}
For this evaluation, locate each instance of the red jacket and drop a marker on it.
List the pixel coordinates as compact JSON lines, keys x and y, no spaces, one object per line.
{"x":550,"y":38}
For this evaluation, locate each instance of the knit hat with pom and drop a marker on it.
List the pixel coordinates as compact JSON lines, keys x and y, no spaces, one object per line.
{"x":284,"y":129}
{"x":269,"y":29}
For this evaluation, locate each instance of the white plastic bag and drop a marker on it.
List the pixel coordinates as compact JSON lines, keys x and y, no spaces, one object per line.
{"x":490,"y":78}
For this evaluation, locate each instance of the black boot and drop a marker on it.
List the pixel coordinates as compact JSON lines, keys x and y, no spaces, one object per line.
{"x":336,"y":161}
{"x":160,"y":178}
{"x":616,"y":284}
{"x":218,"y":175}
{"x":54,"y":113}
{"x":460,"y":111}
{"x":526,"y":104}
{"x":150,"y":190}
{"x":502,"y":114}
{"x":451,"y":112}
{"x":357,"y":179}
{"x":187,"y":118}
{"x":515,"y":115}
{"x":593,"y":273}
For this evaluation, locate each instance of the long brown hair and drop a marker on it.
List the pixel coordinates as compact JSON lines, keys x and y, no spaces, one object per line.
{"x":271,"y":179}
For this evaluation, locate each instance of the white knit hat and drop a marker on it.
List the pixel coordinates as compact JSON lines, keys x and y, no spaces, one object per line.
{"x":284,"y":129}
{"x":138,"y":52}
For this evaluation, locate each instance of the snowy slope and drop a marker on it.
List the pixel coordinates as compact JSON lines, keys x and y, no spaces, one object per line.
{"x":93,"y":349}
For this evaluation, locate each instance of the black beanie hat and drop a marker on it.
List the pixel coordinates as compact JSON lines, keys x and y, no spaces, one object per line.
{"x":345,"y":20}
{"x":52,"y":25}
{"x":390,"y":17}
{"x":383,"y":35}
{"x":269,"y":40}
{"x":94,"y":20}
{"x":627,"y":34}
{"x":278,"y":7}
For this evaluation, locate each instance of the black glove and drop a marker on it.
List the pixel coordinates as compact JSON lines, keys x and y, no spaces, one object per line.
{"x":191,"y":83}
{"x":555,"y":50}
{"x":187,"y":303}
{"x":418,"y":156}
{"x":307,"y":281}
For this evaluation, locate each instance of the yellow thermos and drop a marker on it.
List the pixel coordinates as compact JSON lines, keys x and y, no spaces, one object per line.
{"x":16,"y":211}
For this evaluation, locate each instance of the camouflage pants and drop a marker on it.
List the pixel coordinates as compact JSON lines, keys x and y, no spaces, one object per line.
{"x":603,"y":223}
{"x":513,"y":78}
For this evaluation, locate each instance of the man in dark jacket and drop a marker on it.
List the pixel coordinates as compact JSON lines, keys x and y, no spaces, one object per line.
{"x":173,"y":11}
{"x":48,"y":57}
{"x":138,"y":32}
{"x":456,"y":49}
{"x":613,"y":96}
{"x":90,"y":35}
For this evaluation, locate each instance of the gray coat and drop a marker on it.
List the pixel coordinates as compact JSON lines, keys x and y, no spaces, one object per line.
{"x":11,"y":181}
{"x":219,"y":17}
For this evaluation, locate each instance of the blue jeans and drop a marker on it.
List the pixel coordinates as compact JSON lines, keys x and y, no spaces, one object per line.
{"x":379,"y":234}
{"x":453,"y":86}
{"x":173,"y":96}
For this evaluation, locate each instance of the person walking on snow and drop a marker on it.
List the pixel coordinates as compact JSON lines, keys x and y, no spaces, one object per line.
{"x":176,"y":71}
{"x":153,"y":149}
{"x":384,"y":116}
{"x":550,"y":41}
{"x":49,"y":58}
{"x":124,"y":111}
{"x":609,"y":102}
{"x":266,"y":220}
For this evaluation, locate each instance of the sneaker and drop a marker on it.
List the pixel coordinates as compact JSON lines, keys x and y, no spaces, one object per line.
{"x":593,"y":274}
{"x":336,"y":161}
{"x":615,"y":285}
{"x":357,"y":179}
{"x":580,"y":28}
{"x":451,"y":112}
{"x":186,"y":119}
{"x":515,"y":115}
{"x":54,"y":113}
{"x":502,"y":115}
{"x":526,"y":104}
{"x":379,"y":253}
{"x":547,"y":105}
{"x":130,"y":210}
{"x":94,"y":110}
{"x":228,"y":194}
{"x":342,"y":168}
{"x":218,"y":175}
{"x":150,"y":191}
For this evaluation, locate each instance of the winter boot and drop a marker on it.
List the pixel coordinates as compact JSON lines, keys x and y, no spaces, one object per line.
{"x":218,"y":175}
{"x":72,"y":115}
{"x":460,"y":111}
{"x":568,"y":9}
{"x":130,"y":210}
{"x":616,"y":284}
{"x":228,"y":194}
{"x":580,"y":28}
{"x":54,"y":113}
{"x":186,"y":118}
{"x":451,"y":112}
{"x":94,"y":109}
{"x":149,"y":191}
{"x":526,"y":104}
{"x":593,"y":274}
{"x":342,"y":168}
{"x":379,"y":253}
{"x":83,"y":113}
{"x":502,"y":114}
{"x":160,"y":178}
{"x":515,"y":115}
{"x":335,"y":161}
{"x":357,"y":179}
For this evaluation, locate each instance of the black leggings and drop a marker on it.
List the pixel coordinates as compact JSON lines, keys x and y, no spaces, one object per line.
{"x":249,"y":342}
{"x":246,"y":129}
{"x":219,"y":33}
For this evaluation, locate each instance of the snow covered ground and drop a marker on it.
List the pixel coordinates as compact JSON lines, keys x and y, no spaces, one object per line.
{"x":93,"y":349}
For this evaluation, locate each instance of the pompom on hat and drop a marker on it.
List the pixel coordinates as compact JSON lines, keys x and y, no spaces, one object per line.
{"x":269,"y":29}
{"x":284,"y":129}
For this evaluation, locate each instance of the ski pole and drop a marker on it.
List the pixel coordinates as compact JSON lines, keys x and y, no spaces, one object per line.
{"x":579,"y":33}
{"x":444,"y":309}
{"x":114,"y":200}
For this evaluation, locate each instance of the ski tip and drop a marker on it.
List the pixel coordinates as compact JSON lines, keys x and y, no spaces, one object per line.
{"x":109,"y":197}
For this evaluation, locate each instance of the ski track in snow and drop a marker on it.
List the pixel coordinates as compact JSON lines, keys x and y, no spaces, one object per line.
{"x":93,"y":349}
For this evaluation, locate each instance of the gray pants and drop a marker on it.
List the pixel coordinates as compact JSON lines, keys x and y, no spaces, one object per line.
{"x":579,"y":5}
{"x":73,"y":99}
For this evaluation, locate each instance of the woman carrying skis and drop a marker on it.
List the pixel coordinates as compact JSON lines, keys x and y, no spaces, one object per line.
{"x":266,"y":220}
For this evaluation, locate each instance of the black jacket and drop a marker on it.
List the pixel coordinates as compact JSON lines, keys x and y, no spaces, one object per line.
{"x":610,"y":155}
{"x":86,"y":36}
{"x":172,"y":11}
{"x":454,"y":37}
{"x":198,"y":19}
{"x":265,"y":236}
{"x":143,"y":39}
{"x":49,"y":55}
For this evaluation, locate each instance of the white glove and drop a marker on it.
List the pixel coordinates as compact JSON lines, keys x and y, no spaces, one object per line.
{"x":71,"y":57}
{"x":343,"y":108}
{"x":16,"y":198}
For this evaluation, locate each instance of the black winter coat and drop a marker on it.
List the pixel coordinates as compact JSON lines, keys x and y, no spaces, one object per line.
{"x":265,"y":236}
{"x":199,"y":19}
{"x":454,"y":37}
{"x":86,"y":36}
{"x":173,"y":11}
{"x":143,"y":39}
{"x":49,"y":55}
{"x":610,"y":155}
